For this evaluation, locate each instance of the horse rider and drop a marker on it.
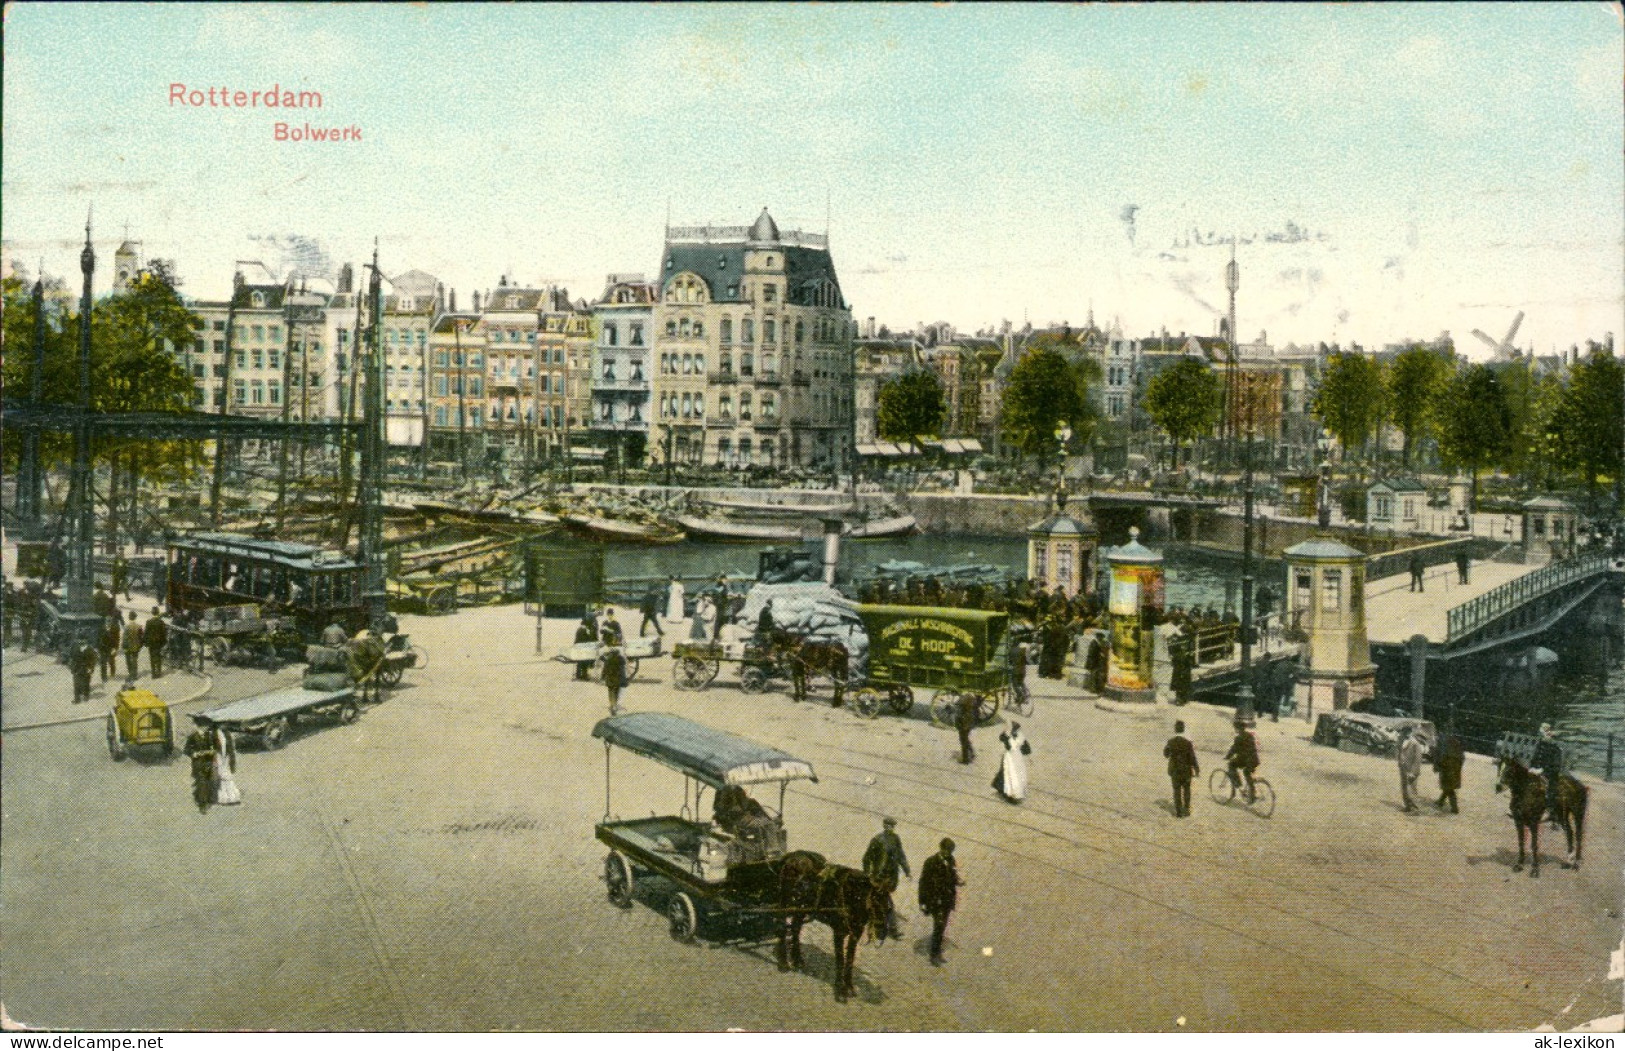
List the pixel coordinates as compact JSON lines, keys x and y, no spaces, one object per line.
{"x":1548,"y":762}
{"x":1243,"y":755}
{"x":881,"y":863}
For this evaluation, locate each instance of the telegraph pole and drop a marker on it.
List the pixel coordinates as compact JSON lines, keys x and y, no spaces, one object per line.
{"x":372,"y":457}
{"x":1244,"y":696}
{"x":80,"y":578}
{"x":462,"y":414}
{"x":225,"y":404}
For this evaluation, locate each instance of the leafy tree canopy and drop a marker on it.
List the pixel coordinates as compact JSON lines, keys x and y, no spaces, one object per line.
{"x":1185,"y":400}
{"x":909,"y":405}
{"x":1416,"y":378}
{"x":1350,"y":401}
{"x":1043,"y":393}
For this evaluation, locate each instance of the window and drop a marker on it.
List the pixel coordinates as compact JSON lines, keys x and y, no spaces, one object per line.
{"x":242,"y":359}
{"x":474,"y":385}
{"x":671,"y":327}
{"x":699,"y":328}
{"x":637,"y":333}
{"x":197,"y":371}
{"x":275,"y":332}
{"x":276,"y":359}
{"x":688,"y":405}
{"x":769,"y":291}
{"x":198,"y":347}
{"x":637,"y":372}
{"x":1331,"y":590}
{"x":727,"y":330}
{"x":219,"y":326}
{"x":440,"y":415}
{"x":747,"y":364}
{"x":688,"y":364}
{"x":558,"y":356}
{"x":276,"y":392}
{"x":609,"y":371}
{"x":257,"y":393}
{"x":258,"y":299}
{"x":744,"y":405}
{"x":769,"y":331}
{"x":768,"y":407}
{"x":440,"y":385}
{"x":219,"y":346}
{"x":747,"y":330}
{"x":610,"y":335}
{"x":684,"y":327}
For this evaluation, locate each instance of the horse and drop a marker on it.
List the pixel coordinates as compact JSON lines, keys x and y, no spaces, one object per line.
{"x":810,"y":657}
{"x":1528,"y":805}
{"x":845,"y":899}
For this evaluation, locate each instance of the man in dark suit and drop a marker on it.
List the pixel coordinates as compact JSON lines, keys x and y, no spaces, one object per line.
{"x":1182,"y":768}
{"x":939,"y":894}
{"x":156,"y":637}
{"x":881,"y":863}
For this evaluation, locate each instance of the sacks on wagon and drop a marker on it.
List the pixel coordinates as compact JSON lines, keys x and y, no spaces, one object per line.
{"x":327,"y":658}
{"x":327,"y":682}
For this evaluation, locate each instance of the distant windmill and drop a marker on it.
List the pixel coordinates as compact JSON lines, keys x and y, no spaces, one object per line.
{"x":1504,"y":350}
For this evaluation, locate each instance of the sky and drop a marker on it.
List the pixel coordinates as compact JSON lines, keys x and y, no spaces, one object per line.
{"x":1388,"y":172}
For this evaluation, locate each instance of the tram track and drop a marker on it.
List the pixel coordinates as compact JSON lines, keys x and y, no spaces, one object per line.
{"x":1362,"y":880}
{"x":1202,"y":861}
{"x":1198,"y":918}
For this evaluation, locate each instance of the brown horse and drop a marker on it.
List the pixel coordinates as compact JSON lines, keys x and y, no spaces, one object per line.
{"x":1528,"y":806}
{"x":810,"y":657}
{"x":843,"y":898}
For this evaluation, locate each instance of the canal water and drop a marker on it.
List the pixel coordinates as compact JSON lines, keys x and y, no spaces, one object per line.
{"x":1582,"y":695}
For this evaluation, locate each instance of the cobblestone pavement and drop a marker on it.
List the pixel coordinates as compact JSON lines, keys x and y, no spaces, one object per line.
{"x":432,"y":866}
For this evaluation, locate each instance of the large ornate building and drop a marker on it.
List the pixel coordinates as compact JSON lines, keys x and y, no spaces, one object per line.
{"x":753,"y":349}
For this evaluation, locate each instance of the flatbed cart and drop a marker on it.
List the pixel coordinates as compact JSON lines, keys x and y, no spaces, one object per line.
{"x":707,"y":869}
{"x":634,"y":650}
{"x":695,"y":664}
{"x":269,"y":716}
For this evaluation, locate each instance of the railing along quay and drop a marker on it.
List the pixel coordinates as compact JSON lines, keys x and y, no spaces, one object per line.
{"x":1473,"y":614}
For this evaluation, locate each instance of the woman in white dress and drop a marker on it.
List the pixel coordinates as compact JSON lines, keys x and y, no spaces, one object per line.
{"x":1011,"y":780}
{"x":675,"y":597}
{"x":699,"y":629}
{"x":226,"y":792}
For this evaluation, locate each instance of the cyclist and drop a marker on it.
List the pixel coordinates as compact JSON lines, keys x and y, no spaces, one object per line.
{"x":1243,"y":756}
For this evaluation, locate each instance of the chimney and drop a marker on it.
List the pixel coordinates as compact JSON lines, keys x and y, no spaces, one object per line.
{"x":869,"y":330}
{"x":346,"y":278}
{"x":476,"y":301}
{"x":451,"y":301}
{"x":439,"y":296}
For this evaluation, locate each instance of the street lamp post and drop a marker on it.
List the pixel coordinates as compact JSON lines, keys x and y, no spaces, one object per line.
{"x":1324,"y":503}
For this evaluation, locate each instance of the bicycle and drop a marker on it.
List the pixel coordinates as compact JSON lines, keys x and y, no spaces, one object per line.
{"x":1223,"y":784}
{"x":1020,"y":700}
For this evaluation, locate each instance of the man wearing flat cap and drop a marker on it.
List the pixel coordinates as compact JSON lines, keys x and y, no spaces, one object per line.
{"x":881,"y":863}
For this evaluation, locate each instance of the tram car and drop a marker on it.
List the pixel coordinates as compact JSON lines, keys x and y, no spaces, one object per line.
{"x":299,"y":584}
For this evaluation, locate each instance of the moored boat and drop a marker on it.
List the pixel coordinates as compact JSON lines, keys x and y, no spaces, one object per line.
{"x":718,"y":528}
{"x":622,"y":529}
{"x":898,"y":525}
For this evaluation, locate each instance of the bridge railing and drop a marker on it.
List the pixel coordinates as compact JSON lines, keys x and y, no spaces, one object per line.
{"x":1473,"y":614}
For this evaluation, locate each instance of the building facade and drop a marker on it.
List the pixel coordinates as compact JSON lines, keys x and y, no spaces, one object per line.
{"x":622,"y":362}
{"x":753,"y":349}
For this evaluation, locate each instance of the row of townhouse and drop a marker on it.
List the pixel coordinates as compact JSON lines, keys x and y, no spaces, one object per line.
{"x":739,"y":354}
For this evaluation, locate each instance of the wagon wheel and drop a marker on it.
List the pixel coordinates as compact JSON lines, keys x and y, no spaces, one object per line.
{"x":987,"y":706}
{"x":420,"y":658}
{"x":1020,"y":700}
{"x":349,"y":712}
{"x":115,"y":744}
{"x":274,"y":734}
{"x":685,"y":919}
{"x":868,"y":701}
{"x":753,"y":680}
{"x":618,"y":878}
{"x":945,"y":707}
{"x":900,"y":699}
{"x":390,"y":672}
{"x":218,"y":649}
{"x":443,"y":601}
{"x":696,"y":673}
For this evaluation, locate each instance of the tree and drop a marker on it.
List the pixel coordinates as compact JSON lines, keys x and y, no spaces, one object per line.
{"x":910,"y":404}
{"x":1476,"y":424}
{"x":1043,"y":393}
{"x":1415,"y":379}
{"x":1533,"y":401}
{"x":1349,"y":403}
{"x":1185,"y":401}
{"x":1590,"y":420}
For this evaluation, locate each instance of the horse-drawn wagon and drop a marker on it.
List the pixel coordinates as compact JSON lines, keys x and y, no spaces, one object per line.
{"x":704,"y":868}
{"x":736,"y":866}
{"x":953,"y":652}
{"x":696,"y":664}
